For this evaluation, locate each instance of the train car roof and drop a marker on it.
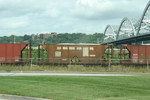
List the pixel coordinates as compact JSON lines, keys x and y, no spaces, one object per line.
{"x":77,"y":44}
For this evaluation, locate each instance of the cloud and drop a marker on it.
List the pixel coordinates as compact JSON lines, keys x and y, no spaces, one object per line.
{"x":105,"y":10}
{"x":21,"y":17}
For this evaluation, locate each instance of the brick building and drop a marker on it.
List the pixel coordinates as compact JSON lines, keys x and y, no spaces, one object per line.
{"x":44,"y":35}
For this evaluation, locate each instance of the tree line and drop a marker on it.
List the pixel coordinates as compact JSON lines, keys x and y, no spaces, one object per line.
{"x":60,"y":38}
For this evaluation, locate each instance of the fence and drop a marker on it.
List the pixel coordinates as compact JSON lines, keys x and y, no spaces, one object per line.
{"x":76,"y":62}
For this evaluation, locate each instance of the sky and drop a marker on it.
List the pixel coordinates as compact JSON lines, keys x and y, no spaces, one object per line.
{"x":20,"y":17}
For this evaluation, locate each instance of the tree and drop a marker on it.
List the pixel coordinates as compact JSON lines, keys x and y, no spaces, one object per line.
{"x":26,"y":37}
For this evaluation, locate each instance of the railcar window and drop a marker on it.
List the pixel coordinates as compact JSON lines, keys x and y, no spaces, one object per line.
{"x":71,"y":48}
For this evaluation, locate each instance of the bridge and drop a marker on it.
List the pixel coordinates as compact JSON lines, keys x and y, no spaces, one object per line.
{"x":130,"y":30}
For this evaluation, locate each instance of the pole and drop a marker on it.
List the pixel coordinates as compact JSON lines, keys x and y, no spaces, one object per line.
{"x":109,"y":64}
{"x":147,"y":65}
{"x":14,"y":39}
{"x":70,"y":65}
{"x":31,"y":65}
{"x":39,"y":52}
{"x":97,"y":40}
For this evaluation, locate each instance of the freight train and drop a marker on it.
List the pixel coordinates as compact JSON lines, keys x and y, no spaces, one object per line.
{"x":73,"y":53}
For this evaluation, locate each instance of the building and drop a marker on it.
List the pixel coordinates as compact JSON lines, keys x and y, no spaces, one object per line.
{"x":44,"y":35}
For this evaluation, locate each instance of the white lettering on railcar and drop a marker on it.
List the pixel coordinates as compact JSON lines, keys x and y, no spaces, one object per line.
{"x":92,"y":55}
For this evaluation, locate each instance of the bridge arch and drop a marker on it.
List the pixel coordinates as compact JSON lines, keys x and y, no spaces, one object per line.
{"x":128,"y":28}
{"x":144,"y":25}
{"x":110,"y":33}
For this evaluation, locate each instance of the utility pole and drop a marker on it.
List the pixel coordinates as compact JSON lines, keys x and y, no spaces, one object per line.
{"x":14,"y":39}
{"x":97,"y":40}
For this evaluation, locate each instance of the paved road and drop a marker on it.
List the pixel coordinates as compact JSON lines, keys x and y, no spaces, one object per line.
{"x":59,"y":74}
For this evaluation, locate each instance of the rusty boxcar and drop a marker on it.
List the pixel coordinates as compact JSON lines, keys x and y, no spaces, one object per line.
{"x":136,"y":54}
{"x":12,"y":52}
{"x":75,"y":53}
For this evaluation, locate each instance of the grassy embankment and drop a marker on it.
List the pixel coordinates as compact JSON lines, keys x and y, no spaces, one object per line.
{"x":78,"y":88}
{"x":74,"y":68}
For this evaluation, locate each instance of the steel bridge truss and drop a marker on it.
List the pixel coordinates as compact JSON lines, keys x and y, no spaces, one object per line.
{"x":110,"y":33}
{"x":129,"y":27}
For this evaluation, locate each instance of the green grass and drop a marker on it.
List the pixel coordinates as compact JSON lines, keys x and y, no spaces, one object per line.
{"x":78,"y":88}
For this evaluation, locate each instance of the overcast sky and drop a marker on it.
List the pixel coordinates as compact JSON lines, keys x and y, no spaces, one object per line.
{"x":20,"y":17}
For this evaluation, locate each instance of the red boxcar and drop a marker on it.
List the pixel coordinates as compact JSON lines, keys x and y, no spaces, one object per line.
{"x":137,"y":54}
{"x":12,"y":52}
